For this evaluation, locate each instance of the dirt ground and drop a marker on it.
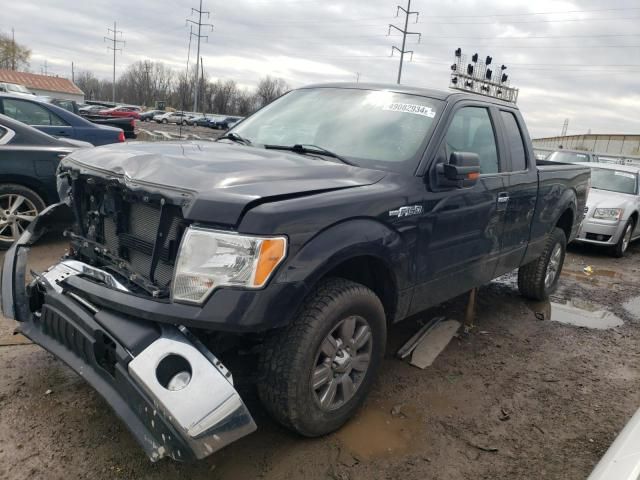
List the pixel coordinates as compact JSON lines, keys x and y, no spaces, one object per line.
{"x":518,"y":397}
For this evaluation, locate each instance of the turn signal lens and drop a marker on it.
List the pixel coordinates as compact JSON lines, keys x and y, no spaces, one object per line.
{"x":272,"y":252}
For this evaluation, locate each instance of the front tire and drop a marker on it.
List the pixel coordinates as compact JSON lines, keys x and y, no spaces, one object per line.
{"x":539,"y":279}
{"x":316,"y":372}
{"x":18,"y":207}
{"x":165,"y":121}
{"x":625,"y":239}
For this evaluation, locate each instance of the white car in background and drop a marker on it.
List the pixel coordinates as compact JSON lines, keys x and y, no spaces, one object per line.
{"x":613,"y":207}
{"x":16,"y":89}
{"x":622,"y":460}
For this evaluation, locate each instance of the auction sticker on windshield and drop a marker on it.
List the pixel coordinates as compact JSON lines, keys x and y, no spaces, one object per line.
{"x":410,"y":108}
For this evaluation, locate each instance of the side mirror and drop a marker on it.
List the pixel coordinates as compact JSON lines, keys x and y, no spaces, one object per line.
{"x":463,"y":170}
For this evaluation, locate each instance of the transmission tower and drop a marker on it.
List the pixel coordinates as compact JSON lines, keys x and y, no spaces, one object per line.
{"x":115,"y":48}
{"x":407,"y":13}
{"x":199,"y":35}
{"x":565,"y":127}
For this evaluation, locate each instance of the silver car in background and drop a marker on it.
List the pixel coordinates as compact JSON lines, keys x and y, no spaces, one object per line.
{"x":613,"y":207}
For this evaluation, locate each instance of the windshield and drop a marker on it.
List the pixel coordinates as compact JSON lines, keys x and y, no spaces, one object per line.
{"x":614,"y":181}
{"x":568,"y":157}
{"x":372,"y":128}
{"x":17,"y":88}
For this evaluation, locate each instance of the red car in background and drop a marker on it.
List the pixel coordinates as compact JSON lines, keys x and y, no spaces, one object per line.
{"x":129,"y":112}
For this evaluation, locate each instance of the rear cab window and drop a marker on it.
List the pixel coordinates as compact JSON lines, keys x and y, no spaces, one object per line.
{"x":514,"y":141}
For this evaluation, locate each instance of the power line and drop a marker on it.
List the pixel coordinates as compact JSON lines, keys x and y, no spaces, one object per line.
{"x":198,"y":36}
{"x":527,"y":14}
{"x":534,"y":21}
{"x":115,"y":48}
{"x":405,"y":32}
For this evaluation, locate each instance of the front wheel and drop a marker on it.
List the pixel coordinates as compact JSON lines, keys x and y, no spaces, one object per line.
{"x":316,"y":372}
{"x":538,"y":279}
{"x":164,"y":120}
{"x":19,"y":206}
{"x":625,"y":239}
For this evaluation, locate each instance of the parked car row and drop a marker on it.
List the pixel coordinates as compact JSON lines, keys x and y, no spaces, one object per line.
{"x":57,"y":121}
{"x":184,"y":118}
{"x":28,"y":162}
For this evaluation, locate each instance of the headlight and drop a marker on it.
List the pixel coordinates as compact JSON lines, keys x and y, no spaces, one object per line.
{"x":608,"y":213}
{"x":209,"y":259}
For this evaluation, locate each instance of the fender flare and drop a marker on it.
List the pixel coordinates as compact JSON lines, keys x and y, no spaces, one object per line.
{"x":345,"y":241}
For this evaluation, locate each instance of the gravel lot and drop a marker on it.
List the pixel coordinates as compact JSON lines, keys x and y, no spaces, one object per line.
{"x":518,"y":397}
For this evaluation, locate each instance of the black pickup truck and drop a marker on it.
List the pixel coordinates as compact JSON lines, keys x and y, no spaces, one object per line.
{"x":304,"y":231}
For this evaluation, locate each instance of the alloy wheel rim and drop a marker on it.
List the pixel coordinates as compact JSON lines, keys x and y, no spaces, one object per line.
{"x":341,"y":363}
{"x":16,"y":213}
{"x":554,"y":266}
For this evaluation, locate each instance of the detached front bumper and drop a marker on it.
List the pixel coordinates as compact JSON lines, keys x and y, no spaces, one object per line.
{"x":132,"y":363}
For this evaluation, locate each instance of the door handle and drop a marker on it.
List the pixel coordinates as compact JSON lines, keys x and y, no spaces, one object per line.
{"x":503,"y":197}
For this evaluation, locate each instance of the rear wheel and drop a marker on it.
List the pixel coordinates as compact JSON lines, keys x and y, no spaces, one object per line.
{"x":315,"y":373}
{"x":539,"y":278}
{"x":18,"y":207}
{"x":164,"y":120}
{"x":625,"y":239}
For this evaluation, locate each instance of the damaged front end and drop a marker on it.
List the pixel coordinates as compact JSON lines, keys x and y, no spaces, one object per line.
{"x":173,"y":394}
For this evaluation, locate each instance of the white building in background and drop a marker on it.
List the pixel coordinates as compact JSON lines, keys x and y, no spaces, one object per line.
{"x":598,"y":143}
{"x":45,"y":85}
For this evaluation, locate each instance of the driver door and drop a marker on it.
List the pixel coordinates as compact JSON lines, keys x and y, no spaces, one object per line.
{"x":459,"y":236}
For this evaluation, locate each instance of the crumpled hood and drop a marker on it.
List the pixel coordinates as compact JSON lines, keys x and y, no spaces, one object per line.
{"x":605,"y":199}
{"x":222,"y":179}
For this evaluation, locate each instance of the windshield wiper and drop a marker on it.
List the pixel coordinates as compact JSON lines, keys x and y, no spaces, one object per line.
{"x":234,"y":137}
{"x":303,"y":148}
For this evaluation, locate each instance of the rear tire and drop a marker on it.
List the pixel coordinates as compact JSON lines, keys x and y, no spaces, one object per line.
{"x":19,"y":205}
{"x":316,"y":372}
{"x":539,"y":279}
{"x":164,"y":120}
{"x":625,"y":239}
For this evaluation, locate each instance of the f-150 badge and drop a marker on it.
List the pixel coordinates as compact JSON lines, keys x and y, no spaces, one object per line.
{"x":406,"y":211}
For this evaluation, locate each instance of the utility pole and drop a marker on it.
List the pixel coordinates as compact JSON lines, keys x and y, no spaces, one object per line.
{"x":147,"y":68}
{"x":115,"y":48}
{"x":407,"y":13}
{"x":44,"y":69}
{"x":13,"y":49}
{"x":199,"y":23}
{"x":73,"y":74}
{"x":357,"y":77}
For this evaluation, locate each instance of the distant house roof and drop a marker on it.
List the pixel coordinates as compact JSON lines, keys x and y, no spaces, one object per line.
{"x":40,"y":82}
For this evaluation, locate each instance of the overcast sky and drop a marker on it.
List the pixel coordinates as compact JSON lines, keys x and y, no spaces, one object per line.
{"x":571,"y":59}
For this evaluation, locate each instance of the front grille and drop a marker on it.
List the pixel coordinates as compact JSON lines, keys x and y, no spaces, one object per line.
{"x":128,"y":225}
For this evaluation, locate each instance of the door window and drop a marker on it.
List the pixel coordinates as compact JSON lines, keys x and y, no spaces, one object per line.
{"x":515,"y":143}
{"x":471,"y":131}
{"x":30,"y":113}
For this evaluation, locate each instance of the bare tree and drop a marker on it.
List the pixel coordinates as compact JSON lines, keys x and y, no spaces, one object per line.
{"x":93,"y":88}
{"x":13,"y":56}
{"x":224,"y":96}
{"x":269,"y":89}
{"x":146,"y":82}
